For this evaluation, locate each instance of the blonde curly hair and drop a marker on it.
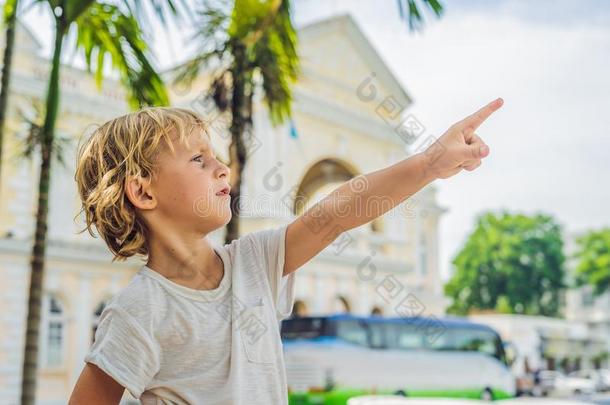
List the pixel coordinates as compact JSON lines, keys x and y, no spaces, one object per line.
{"x":123,"y":147}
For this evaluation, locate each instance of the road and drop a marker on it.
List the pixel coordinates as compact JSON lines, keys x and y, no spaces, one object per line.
{"x":599,"y":399}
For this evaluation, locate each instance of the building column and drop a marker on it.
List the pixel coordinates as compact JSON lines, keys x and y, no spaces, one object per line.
{"x":418,"y":232}
{"x":320,"y":295}
{"x":363,"y":304}
{"x":12,"y":321}
{"x":82,"y":326}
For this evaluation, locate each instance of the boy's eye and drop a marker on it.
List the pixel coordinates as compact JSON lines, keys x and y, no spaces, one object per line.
{"x":198,"y":158}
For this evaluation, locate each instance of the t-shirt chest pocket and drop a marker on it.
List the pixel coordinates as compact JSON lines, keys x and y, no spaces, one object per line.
{"x":256,"y":333}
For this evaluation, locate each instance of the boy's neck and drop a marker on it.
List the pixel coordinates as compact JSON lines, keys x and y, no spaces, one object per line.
{"x":192,"y":263}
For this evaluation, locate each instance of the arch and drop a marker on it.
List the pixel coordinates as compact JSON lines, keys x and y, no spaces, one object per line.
{"x":377,"y":310}
{"x":299,"y":309}
{"x":342,"y":304}
{"x":324,"y":171}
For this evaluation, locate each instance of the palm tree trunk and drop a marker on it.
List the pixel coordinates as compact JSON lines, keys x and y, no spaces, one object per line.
{"x":239,"y":122}
{"x":30,"y":359}
{"x":7,"y":63}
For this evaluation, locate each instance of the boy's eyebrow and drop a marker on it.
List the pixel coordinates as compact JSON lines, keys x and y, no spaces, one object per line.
{"x":199,"y":145}
{"x":203,"y":146}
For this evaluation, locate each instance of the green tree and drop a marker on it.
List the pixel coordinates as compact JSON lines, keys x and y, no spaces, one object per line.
{"x":103,"y":32}
{"x":251,"y":44}
{"x":593,"y":260}
{"x":510,"y":264}
{"x":10,"y":21}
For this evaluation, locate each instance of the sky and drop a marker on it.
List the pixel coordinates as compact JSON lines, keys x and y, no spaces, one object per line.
{"x":549,"y":60}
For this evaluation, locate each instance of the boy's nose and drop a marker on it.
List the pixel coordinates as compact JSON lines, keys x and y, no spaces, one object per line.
{"x":224,"y":170}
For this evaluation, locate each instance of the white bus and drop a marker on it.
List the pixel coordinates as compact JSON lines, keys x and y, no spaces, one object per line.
{"x":330,"y":359}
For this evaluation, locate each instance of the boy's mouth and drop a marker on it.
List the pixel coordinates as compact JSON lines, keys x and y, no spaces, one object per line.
{"x":224,"y":191}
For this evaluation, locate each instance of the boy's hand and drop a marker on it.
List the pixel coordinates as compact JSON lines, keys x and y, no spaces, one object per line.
{"x":459,"y":147}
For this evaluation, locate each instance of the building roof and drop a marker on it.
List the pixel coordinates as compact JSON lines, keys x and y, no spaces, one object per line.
{"x":346,"y":24}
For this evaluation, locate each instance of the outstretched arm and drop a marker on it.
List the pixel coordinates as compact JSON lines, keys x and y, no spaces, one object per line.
{"x":369,"y":196}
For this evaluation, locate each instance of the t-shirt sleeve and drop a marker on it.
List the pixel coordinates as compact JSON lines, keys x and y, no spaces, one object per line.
{"x":124,"y":351}
{"x":272,"y":245}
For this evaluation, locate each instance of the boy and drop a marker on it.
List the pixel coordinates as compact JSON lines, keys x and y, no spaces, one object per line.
{"x":198,"y":324}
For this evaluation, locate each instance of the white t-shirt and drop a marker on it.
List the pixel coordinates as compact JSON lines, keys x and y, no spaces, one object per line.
{"x":169,"y":344}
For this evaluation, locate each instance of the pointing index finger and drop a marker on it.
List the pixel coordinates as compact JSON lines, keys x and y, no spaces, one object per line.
{"x":472,"y":122}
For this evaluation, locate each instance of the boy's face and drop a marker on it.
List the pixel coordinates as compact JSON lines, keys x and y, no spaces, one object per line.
{"x":189,"y":185}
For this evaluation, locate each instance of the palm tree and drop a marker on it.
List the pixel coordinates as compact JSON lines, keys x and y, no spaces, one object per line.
{"x":103,"y":32}
{"x":10,"y":20}
{"x":253,"y":41}
{"x":248,"y":41}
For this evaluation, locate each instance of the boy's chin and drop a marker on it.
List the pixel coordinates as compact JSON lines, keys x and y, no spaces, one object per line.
{"x":227,"y":219}
{"x":212,"y":224}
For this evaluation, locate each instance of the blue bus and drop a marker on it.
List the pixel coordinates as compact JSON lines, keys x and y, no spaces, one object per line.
{"x":330,"y":359}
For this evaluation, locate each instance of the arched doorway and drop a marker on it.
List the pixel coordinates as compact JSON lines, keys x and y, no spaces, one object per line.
{"x":341,"y":305}
{"x":377,"y":311}
{"x":321,"y":179}
{"x":299,"y":309}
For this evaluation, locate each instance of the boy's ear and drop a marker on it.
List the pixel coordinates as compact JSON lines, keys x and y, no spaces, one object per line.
{"x":139,"y":192}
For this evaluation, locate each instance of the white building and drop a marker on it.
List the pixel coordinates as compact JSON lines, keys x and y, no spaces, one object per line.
{"x":347,"y":119}
{"x":582,"y":305}
{"x":544,"y":342}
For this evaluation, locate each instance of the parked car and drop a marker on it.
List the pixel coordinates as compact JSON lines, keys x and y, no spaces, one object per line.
{"x":600,"y":377}
{"x":545,"y":383}
{"x":397,"y":400}
{"x":574,"y":385}
{"x":540,"y":401}
{"x":605,"y":375}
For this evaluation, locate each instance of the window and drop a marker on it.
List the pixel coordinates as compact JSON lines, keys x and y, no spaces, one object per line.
{"x":96,"y":318}
{"x":405,"y":336}
{"x":352,"y":331}
{"x":53,"y":332}
{"x":303,"y":328}
{"x":463,"y":339}
{"x":587,"y":298}
{"x":376,"y":333}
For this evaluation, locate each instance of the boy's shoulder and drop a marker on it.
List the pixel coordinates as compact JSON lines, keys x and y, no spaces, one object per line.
{"x":257,"y":242}
{"x":140,"y":299}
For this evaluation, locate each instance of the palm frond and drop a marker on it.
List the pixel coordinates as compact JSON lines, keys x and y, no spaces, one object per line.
{"x":249,"y":16}
{"x":270,"y":43}
{"x":31,"y":140}
{"x":189,"y":71}
{"x":410,"y":10}
{"x":72,"y":9}
{"x":214,"y":45}
{"x":104,"y":30}
{"x":9,"y":10}
{"x":275,"y":55}
{"x":161,"y":9}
